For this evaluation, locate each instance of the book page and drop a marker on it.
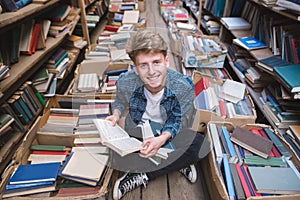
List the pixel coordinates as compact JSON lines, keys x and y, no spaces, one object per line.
{"x":108,"y":132}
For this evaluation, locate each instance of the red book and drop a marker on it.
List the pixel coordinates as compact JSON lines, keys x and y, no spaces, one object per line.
{"x":273,"y":150}
{"x":181,"y":16}
{"x":111,"y":28}
{"x":50,"y":152}
{"x":249,"y":179}
{"x":222,"y":108}
{"x":201,"y":85}
{"x":243,"y":181}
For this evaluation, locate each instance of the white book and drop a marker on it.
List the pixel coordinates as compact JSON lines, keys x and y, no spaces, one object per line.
{"x":232,"y":91}
{"x":235,"y":23}
{"x":116,"y":138}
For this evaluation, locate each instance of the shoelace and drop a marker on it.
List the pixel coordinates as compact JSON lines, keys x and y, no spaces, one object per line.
{"x":134,"y":182}
{"x":186,"y":171}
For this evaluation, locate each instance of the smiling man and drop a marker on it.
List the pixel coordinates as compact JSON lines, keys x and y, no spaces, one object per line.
{"x":158,"y":94}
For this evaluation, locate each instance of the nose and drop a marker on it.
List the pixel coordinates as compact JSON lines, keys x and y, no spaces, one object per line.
{"x":150,"y":69}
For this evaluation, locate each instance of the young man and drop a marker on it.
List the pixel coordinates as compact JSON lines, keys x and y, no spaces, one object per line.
{"x":158,"y":94}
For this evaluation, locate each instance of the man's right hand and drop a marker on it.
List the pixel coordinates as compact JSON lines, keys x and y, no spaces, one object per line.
{"x":114,"y":118}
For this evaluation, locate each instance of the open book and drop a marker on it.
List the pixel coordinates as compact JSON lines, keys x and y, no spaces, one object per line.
{"x":116,"y":138}
{"x":153,"y":129}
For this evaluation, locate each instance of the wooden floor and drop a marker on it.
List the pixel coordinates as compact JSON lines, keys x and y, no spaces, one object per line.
{"x":173,"y":186}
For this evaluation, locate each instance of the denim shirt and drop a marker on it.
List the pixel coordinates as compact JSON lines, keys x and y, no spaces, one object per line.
{"x":175,"y":106}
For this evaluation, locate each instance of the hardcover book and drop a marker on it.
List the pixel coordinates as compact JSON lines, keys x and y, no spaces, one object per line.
{"x":35,"y":173}
{"x":235,"y":23}
{"x":275,"y":180}
{"x":252,"y":142}
{"x":249,"y":43}
{"x":289,"y":76}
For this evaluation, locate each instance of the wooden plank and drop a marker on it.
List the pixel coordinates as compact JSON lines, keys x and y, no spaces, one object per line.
{"x":156,"y":189}
{"x":179,"y":186}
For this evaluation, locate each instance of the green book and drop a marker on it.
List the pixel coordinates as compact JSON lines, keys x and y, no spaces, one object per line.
{"x":289,"y":76}
{"x":48,"y":147}
{"x":253,"y":160}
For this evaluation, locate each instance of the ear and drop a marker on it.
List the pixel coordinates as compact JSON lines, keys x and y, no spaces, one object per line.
{"x":167,"y":60}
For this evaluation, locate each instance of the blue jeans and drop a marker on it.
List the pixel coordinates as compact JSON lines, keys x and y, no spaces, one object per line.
{"x":191,"y":147}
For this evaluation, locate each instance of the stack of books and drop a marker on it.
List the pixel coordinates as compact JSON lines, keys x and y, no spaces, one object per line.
{"x":241,"y":155}
{"x":31,"y":179}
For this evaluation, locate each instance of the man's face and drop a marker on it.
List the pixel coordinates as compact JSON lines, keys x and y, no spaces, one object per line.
{"x":152,"y":69}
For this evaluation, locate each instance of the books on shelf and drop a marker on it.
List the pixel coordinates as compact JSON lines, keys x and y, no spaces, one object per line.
{"x":117,"y":138}
{"x":249,"y":43}
{"x":235,"y":23}
{"x":268,"y":64}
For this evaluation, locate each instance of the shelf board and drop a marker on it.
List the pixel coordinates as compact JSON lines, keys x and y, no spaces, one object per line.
{"x":21,"y":70}
{"x":9,"y":18}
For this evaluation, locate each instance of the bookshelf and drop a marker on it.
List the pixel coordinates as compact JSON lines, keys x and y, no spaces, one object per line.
{"x":21,"y":71}
{"x":92,"y":36}
{"x":259,"y":31}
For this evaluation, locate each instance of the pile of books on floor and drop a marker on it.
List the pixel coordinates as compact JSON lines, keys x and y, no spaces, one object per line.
{"x":252,"y":161}
{"x":54,"y":170}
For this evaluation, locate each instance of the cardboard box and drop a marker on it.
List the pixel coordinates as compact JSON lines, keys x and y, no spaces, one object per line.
{"x":215,"y":183}
{"x":99,"y":69}
{"x":203,"y":117}
{"x":23,"y":151}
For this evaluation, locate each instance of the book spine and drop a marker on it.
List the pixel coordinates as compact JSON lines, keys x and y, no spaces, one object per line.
{"x":228,"y":178}
{"x":278,"y":144}
{"x":7,"y":109}
{"x":25,"y":108}
{"x":243,"y":181}
{"x":229,"y":144}
{"x":21,"y":113}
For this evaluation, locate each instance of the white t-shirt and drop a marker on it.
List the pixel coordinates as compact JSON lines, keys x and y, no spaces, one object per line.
{"x":152,"y":111}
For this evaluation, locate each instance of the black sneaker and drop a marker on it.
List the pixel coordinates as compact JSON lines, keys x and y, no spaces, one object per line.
{"x":190,"y":173}
{"x":127,"y":183}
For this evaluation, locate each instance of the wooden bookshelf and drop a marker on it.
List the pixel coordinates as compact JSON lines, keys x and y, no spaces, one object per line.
{"x":8,"y":19}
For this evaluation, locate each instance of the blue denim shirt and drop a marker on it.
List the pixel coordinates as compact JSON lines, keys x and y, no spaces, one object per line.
{"x":175,"y":106}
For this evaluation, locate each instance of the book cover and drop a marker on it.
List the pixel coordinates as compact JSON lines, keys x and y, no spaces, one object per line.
{"x":252,"y":142}
{"x":35,"y":173}
{"x":40,"y":147}
{"x":237,"y":183}
{"x":289,"y":75}
{"x":275,"y":180}
{"x":235,"y":23}
{"x":249,"y":43}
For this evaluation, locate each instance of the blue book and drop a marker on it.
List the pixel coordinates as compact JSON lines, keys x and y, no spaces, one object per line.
{"x":231,"y":150}
{"x":228,"y":178}
{"x":270,"y":62}
{"x":28,"y":185}
{"x":33,"y":173}
{"x":277,"y":143}
{"x":22,"y":3}
{"x":249,"y":43}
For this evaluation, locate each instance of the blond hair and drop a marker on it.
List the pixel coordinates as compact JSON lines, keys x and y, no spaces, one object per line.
{"x":146,"y":42}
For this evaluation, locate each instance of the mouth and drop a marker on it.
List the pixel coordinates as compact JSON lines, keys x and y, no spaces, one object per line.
{"x":153,"y":78}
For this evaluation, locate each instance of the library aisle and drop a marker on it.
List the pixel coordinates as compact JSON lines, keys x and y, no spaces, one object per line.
{"x":173,"y":186}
